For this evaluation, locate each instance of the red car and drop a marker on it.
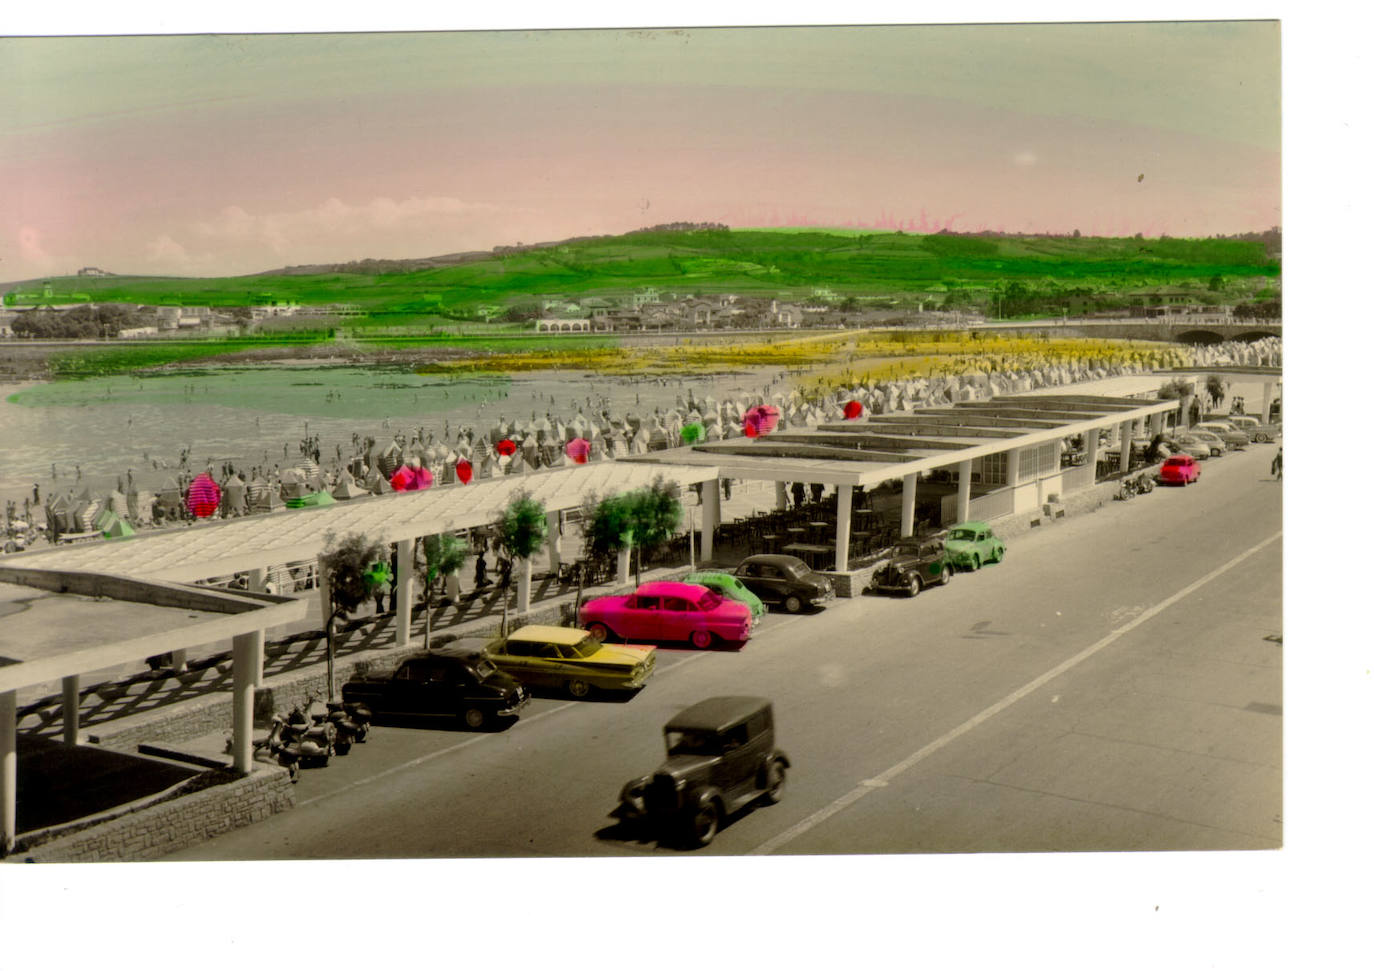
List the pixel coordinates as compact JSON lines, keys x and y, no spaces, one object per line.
{"x":666,"y":611}
{"x":1180,"y":470}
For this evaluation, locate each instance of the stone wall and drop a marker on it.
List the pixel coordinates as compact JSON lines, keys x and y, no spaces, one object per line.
{"x":176,"y":824}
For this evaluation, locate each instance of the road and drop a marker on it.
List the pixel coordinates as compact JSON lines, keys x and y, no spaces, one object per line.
{"x":1116,"y":684}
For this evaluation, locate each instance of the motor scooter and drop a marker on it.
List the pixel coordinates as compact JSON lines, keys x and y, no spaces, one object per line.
{"x":276,"y":746}
{"x":314,"y":733}
{"x":351,"y":721}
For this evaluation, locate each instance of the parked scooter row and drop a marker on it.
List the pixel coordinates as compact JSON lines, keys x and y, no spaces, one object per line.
{"x":310,"y":734}
{"x":1135,"y":485}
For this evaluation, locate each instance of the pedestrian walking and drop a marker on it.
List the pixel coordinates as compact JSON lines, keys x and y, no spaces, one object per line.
{"x":1276,"y":467}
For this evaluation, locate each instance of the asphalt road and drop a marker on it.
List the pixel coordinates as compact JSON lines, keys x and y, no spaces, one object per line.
{"x":1116,"y":684}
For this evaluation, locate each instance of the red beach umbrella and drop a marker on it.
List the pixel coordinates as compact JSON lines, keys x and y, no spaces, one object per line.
{"x":852,"y":410}
{"x":505,"y":447}
{"x":578,"y":449}
{"x":464,"y":471}
{"x":202,"y":498}
{"x":403,"y":479}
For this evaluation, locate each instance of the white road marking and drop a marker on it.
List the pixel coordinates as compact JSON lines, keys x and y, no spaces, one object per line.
{"x":473,"y":740}
{"x":869,"y":785}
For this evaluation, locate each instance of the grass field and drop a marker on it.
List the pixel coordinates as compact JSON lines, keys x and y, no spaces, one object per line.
{"x":785,"y":263}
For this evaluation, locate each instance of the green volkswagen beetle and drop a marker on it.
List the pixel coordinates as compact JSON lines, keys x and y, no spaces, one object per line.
{"x":729,"y":587}
{"x":969,"y":545}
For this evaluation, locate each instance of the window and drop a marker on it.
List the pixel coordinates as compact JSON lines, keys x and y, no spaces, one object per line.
{"x":675,"y":603}
{"x":995,"y":469}
{"x":646,"y":603}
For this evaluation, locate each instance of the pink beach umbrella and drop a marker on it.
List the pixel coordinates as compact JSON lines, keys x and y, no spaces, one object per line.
{"x":202,"y":498}
{"x":578,"y":449}
{"x":403,"y":480}
{"x":424,"y":478}
{"x":760,"y":420}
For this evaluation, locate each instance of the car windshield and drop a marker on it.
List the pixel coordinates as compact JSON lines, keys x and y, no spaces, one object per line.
{"x":709,"y":600}
{"x":483,"y":667}
{"x":798,"y":571}
{"x":966,"y":534}
{"x":583,"y":648}
{"x":693,"y":743}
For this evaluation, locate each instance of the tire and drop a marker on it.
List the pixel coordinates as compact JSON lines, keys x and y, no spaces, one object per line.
{"x":293,"y":770}
{"x":600,"y":632}
{"x":342,"y":748}
{"x":792,"y":604}
{"x":362,"y":734}
{"x":915,"y":586}
{"x":777,"y":778}
{"x":703,"y":824}
{"x":702,"y":639}
{"x":579,"y":689}
{"x":474,"y":718}
{"x":945,"y":574}
{"x":977,"y":562}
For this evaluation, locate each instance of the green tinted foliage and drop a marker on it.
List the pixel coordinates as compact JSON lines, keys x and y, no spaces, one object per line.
{"x":524,"y":528}
{"x":354,"y":566}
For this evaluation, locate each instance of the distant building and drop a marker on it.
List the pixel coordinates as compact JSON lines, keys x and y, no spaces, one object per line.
{"x":93,"y":271}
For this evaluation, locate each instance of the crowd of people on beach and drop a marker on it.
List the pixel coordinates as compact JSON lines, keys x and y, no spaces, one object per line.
{"x":424,"y":457}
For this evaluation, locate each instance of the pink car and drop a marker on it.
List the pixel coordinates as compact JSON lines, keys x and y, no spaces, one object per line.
{"x":666,"y":611}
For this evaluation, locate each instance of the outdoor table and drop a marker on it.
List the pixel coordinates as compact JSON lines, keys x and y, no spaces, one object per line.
{"x":810,"y":552}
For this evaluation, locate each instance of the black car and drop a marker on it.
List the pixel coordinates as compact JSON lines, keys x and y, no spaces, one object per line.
{"x":915,"y":565}
{"x":721,"y":758}
{"x":785,"y":581}
{"x":446,"y":681}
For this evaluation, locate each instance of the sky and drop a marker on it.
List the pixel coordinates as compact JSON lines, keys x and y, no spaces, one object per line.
{"x":236,"y":153}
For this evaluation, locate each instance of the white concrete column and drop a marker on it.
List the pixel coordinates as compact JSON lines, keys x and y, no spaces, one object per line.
{"x":622,"y":565}
{"x":710,"y":517}
{"x":1124,"y":457}
{"x":1187,"y":409}
{"x":1090,"y":451}
{"x":524,"y":571}
{"x":179,"y":661}
{"x":1013,"y":467}
{"x":247,"y":652}
{"x":71,"y":709}
{"x":9,"y":770}
{"x":908,"y":504}
{"x":452,"y":589}
{"x":1156,"y":423}
{"x":324,"y":589}
{"x":844,"y":509}
{"x":779,"y":495}
{"x":554,"y":519}
{"x":965,"y":481}
{"x":1268,"y":399}
{"x":405,"y":589}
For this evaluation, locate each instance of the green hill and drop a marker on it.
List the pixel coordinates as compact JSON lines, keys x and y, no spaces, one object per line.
{"x":787,"y":264}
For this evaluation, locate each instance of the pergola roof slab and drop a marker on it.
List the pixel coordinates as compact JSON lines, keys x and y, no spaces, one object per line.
{"x":222,"y":547}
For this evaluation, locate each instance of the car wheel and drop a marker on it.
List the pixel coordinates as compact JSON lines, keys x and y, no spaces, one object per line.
{"x":702,"y":639}
{"x":703,"y":824}
{"x":977,"y":562}
{"x":600,"y":632}
{"x":293,"y":771}
{"x":474,"y":718}
{"x":579,"y":688}
{"x":915,"y":586}
{"x":343,"y":748}
{"x":777,"y":778}
{"x":792,"y":604}
{"x":945,"y":573}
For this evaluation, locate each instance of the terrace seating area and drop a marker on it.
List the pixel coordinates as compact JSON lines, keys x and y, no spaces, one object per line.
{"x":808,"y":531}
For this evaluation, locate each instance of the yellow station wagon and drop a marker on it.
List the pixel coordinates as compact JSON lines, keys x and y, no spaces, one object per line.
{"x":568,"y":659}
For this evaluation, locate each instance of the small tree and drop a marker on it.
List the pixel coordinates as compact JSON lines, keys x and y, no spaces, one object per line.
{"x":437,"y":556}
{"x":655,"y":513}
{"x":524,"y":531}
{"x":1216,"y":390}
{"x":353,"y":567}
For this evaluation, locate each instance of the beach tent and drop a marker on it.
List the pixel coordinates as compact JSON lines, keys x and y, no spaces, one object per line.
{"x":346,"y":488}
{"x":235,"y":495}
{"x":310,"y":501}
{"x":119,"y":528}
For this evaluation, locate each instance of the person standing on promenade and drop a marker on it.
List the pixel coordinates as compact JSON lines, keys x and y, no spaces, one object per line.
{"x":1276,"y":467}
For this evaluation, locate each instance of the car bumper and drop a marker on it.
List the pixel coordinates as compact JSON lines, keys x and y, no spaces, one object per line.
{"x":514,"y":707}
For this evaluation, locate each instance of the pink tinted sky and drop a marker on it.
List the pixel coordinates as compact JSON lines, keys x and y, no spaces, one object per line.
{"x":212,"y":155}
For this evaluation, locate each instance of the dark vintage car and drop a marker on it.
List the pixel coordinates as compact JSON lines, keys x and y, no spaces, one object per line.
{"x":721,"y":758}
{"x":786,"y":581}
{"x":915,"y":565}
{"x":449,"y":680}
